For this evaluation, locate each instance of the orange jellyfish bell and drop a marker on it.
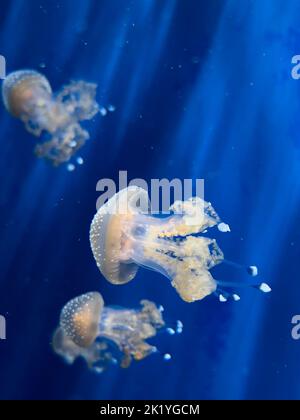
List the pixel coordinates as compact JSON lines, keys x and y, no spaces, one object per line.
{"x":22,"y":90}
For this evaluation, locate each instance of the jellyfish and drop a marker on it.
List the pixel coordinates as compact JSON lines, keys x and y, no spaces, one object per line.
{"x":125,"y":236}
{"x":104,"y":335}
{"x":54,"y":118}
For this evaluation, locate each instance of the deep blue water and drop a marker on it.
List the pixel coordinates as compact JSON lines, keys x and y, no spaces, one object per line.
{"x":202,"y":89}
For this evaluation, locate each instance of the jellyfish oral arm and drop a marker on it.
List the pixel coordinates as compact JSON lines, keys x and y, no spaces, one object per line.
{"x":167,"y":246}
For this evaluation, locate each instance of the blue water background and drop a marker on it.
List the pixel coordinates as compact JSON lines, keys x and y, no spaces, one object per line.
{"x":202,"y":89}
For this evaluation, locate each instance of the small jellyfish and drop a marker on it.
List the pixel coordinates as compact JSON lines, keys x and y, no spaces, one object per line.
{"x":105,"y":335}
{"x":124,"y":237}
{"x":55,"y":118}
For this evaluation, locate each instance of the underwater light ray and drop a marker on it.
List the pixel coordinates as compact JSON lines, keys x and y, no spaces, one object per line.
{"x":146,"y":67}
{"x":75,"y":14}
{"x":115,"y":40}
{"x":264,"y":249}
{"x":11,"y":22}
{"x":33,"y":193}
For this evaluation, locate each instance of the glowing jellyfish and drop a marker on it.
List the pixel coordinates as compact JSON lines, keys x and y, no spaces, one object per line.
{"x":124,"y":236}
{"x":55,"y":118}
{"x":103,"y":335}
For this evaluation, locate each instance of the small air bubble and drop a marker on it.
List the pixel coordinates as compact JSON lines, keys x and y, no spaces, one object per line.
{"x":167,"y":357}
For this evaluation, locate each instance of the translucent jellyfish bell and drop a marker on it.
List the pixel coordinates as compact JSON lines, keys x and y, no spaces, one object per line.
{"x":22,"y":89}
{"x":80,"y":317}
{"x":55,"y":118}
{"x":103,"y":335}
{"x":110,"y":244}
{"x":66,"y":348}
{"x":124,"y":236}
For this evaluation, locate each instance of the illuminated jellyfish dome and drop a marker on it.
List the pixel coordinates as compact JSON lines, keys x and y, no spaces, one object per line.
{"x":19,"y":88}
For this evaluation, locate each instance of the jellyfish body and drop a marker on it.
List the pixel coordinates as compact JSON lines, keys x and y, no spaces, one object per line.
{"x":103,"y":335}
{"x":55,"y":118}
{"x":124,"y":236}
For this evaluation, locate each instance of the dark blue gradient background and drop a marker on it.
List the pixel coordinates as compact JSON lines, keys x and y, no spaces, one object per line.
{"x":203,"y":90}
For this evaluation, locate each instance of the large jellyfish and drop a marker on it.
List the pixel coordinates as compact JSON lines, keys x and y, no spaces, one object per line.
{"x":124,"y":236}
{"x":104,"y":335}
{"x":55,"y":118}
